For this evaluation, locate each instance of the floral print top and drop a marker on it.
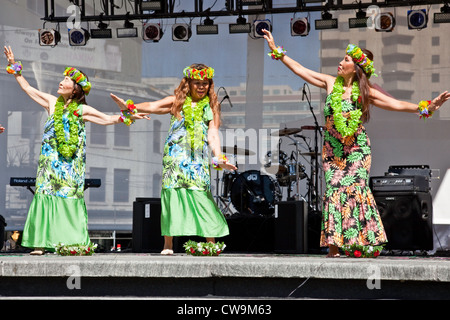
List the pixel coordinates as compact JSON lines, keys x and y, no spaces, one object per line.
{"x":184,"y":167}
{"x":57,"y":176}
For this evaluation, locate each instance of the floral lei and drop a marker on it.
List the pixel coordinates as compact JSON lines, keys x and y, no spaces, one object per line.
{"x":191,"y":116}
{"x":66,"y":148}
{"x":346,"y":127}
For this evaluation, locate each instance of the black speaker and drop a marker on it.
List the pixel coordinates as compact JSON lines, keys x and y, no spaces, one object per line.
{"x":291,"y":224}
{"x":407,"y":219}
{"x":147,"y":225}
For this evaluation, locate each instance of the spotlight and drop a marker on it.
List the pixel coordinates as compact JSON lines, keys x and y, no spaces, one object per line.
{"x":300,"y":27}
{"x":417,"y":19}
{"x":384,"y":22}
{"x":49,"y":37}
{"x":152,"y":32}
{"x":259,"y":25}
{"x":128,"y":30}
{"x":443,"y":16}
{"x":359,"y":22}
{"x":151,"y":5}
{"x":181,"y":32}
{"x":102,"y":32}
{"x":78,"y":37}
{"x":208,"y":27}
{"x":327,"y":22}
{"x":241,"y":26}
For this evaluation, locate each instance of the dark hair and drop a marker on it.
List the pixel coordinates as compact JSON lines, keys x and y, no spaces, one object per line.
{"x":364,"y":87}
{"x":78,"y":93}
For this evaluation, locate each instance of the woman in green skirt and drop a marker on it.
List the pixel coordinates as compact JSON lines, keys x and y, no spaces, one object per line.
{"x":58,"y":213}
{"x":188,"y":207}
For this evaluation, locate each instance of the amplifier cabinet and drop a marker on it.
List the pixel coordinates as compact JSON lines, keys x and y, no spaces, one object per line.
{"x":147,"y":225}
{"x":291,"y":224}
{"x":407,"y":219}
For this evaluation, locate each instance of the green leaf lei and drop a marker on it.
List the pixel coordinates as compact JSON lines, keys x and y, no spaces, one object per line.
{"x":346,"y":127}
{"x":191,"y":116}
{"x":66,"y":148}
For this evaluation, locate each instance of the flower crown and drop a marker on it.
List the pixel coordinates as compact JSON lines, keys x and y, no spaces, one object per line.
{"x":79,"y":78}
{"x":198,"y":74}
{"x":361,"y":59}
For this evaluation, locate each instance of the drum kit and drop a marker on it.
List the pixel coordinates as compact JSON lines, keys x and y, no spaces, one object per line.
{"x":256,"y":193}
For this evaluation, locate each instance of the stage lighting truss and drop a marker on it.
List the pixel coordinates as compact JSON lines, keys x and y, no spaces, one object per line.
{"x":259,"y":25}
{"x":384,"y":22}
{"x":49,"y":37}
{"x":152,"y":32}
{"x":443,"y":16}
{"x":78,"y":37}
{"x":417,"y":19}
{"x":327,"y":22}
{"x":181,"y":32}
{"x":241,"y":26}
{"x":300,"y":27}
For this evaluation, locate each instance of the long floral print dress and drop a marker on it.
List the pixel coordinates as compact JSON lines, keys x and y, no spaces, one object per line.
{"x":188,"y":207}
{"x":350,"y":214}
{"x":58,"y":213}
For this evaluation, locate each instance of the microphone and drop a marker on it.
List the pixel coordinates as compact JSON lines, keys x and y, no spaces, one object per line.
{"x":303,"y":93}
{"x":227,"y":97}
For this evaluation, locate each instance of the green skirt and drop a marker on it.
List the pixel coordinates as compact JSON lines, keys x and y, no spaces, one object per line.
{"x":186,"y":212}
{"x":52,"y":220}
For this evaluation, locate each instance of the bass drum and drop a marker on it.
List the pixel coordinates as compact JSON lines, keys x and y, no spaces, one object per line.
{"x":254,"y":193}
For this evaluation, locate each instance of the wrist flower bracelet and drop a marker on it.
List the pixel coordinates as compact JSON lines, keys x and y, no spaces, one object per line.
{"x":423,"y":109}
{"x":277,"y":53}
{"x":125,"y":117}
{"x":14,"y":68}
{"x":215,"y":161}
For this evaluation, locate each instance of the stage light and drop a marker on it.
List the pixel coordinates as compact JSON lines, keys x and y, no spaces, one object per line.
{"x":251,"y":2}
{"x":78,"y":37}
{"x":241,"y":26}
{"x":152,"y":32}
{"x":359,"y":22}
{"x":49,"y":37}
{"x":327,"y":22}
{"x":443,"y":16}
{"x":417,"y":19}
{"x":259,"y":25}
{"x":128,"y":30}
{"x":181,"y":32}
{"x":208,"y":27}
{"x":151,"y":5}
{"x":102,"y":32}
{"x":300,"y":27}
{"x":384,"y":22}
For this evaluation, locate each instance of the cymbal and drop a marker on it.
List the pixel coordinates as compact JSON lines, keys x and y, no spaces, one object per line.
{"x":310,"y":154}
{"x":235,"y":150}
{"x":286,"y":132}
{"x":311,"y":127}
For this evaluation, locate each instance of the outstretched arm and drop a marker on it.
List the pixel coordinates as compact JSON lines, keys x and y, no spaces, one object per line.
{"x":93,"y":115}
{"x":162,"y":106}
{"x":44,"y":99}
{"x":317,"y":79}
{"x":383,"y":101}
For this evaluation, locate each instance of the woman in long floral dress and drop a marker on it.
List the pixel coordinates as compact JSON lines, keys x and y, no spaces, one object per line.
{"x":350,"y":215}
{"x":188,"y":207}
{"x":58,"y":213}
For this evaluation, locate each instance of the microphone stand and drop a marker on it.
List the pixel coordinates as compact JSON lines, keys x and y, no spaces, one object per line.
{"x":316,"y":149}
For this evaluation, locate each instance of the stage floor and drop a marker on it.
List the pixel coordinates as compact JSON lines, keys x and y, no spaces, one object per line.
{"x":228,"y":275}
